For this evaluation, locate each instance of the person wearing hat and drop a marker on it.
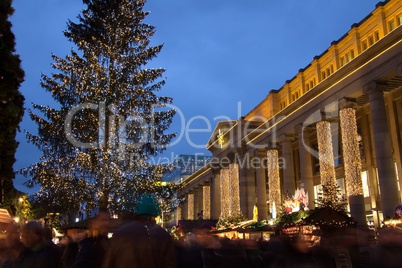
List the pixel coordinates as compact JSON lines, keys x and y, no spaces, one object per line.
{"x":142,"y":243}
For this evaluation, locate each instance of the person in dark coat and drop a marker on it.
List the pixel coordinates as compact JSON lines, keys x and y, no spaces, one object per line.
{"x":91,"y":250}
{"x":42,"y":254}
{"x":142,"y":243}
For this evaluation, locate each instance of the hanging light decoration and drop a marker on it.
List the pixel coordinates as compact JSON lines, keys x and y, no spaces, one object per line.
{"x":351,"y":153}
{"x":178,"y":213}
{"x":327,"y":167}
{"x":234,"y":189}
{"x":190,"y":205}
{"x":206,"y":202}
{"x":225,"y":193}
{"x":273,"y":181}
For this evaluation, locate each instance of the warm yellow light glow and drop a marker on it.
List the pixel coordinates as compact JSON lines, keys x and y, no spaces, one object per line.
{"x":206,"y":202}
{"x":230,"y":192}
{"x":20,"y":199}
{"x":351,"y":153}
{"x":178,"y":211}
{"x":234,"y":189}
{"x":273,"y":181}
{"x":190,"y":206}
{"x":326,"y":157}
{"x":16,"y":219}
{"x":223,"y":134}
{"x":301,"y":106}
{"x":225,"y":192}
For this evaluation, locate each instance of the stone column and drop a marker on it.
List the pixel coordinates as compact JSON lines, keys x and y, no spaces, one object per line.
{"x":215,"y":194}
{"x":179,"y":215}
{"x":306,"y":166}
{"x":190,"y":206}
{"x":184,"y":210}
{"x":206,"y":202}
{"x":288,"y":169}
{"x":327,"y":165}
{"x":352,"y":161}
{"x":225,"y":192}
{"x":383,"y":149}
{"x":198,"y":201}
{"x":261,"y":188}
{"x":273,"y":182}
{"x":247,"y":182}
{"x":235,"y":200}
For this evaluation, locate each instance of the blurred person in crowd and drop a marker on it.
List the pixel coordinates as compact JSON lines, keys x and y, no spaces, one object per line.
{"x":298,"y":254}
{"x":43,"y":253}
{"x":92,"y":250}
{"x":15,"y":254}
{"x":387,"y":253}
{"x":69,"y":249}
{"x":142,"y":243}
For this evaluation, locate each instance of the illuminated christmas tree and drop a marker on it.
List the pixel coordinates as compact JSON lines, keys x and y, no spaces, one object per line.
{"x":98,"y":146}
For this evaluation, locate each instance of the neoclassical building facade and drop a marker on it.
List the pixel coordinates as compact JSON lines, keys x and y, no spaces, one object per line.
{"x":336,"y":123}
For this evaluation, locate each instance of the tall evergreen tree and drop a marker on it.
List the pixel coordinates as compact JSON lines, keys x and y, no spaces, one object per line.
{"x":98,"y":146}
{"x":11,"y":103}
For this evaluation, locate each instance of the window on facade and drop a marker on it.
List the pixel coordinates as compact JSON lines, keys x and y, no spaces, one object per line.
{"x":342,"y":61}
{"x":283,"y":104}
{"x":323,"y":75}
{"x":352,"y":54}
{"x":376,"y":36}
{"x":364,"y":45}
{"x":332,"y":69}
{"x":307,"y":87}
{"x":328,"y":72}
{"x":347,"y":57}
{"x":295,"y":96}
{"x":371,"y":40}
{"x":311,"y":84}
{"x":391,"y":25}
{"x":366,"y":189}
{"x":400,"y":20}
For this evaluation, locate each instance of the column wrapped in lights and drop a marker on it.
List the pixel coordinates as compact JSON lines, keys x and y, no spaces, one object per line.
{"x":206,"y":202}
{"x":351,"y":153}
{"x":190,"y":206}
{"x":234,"y":189}
{"x":352,"y":164}
{"x":225,"y":192}
{"x":273,"y":181}
{"x":327,"y":164}
{"x":178,"y":214}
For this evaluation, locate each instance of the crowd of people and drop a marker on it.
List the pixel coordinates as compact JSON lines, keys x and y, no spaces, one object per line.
{"x":143,"y":243}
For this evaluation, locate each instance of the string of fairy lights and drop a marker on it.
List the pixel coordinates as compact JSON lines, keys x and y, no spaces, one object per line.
{"x":230,"y":190}
{"x":273,"y":181}
{"x":234,"y":189}
{"x":206,"y":202}
{"x":190,"y":206}
{"x":225,"y":192}
{"x":327,"y":164}
{"x":178,"y":213}
{"x":351,"y":153}
{"x":229,"y":177}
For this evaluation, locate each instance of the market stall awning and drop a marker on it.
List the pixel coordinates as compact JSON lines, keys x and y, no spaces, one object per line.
{"x":5,"y":219}
{"x":328,"y":217}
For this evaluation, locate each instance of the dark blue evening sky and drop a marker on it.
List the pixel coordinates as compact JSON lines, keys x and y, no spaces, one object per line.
{"x":216,"y":52}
